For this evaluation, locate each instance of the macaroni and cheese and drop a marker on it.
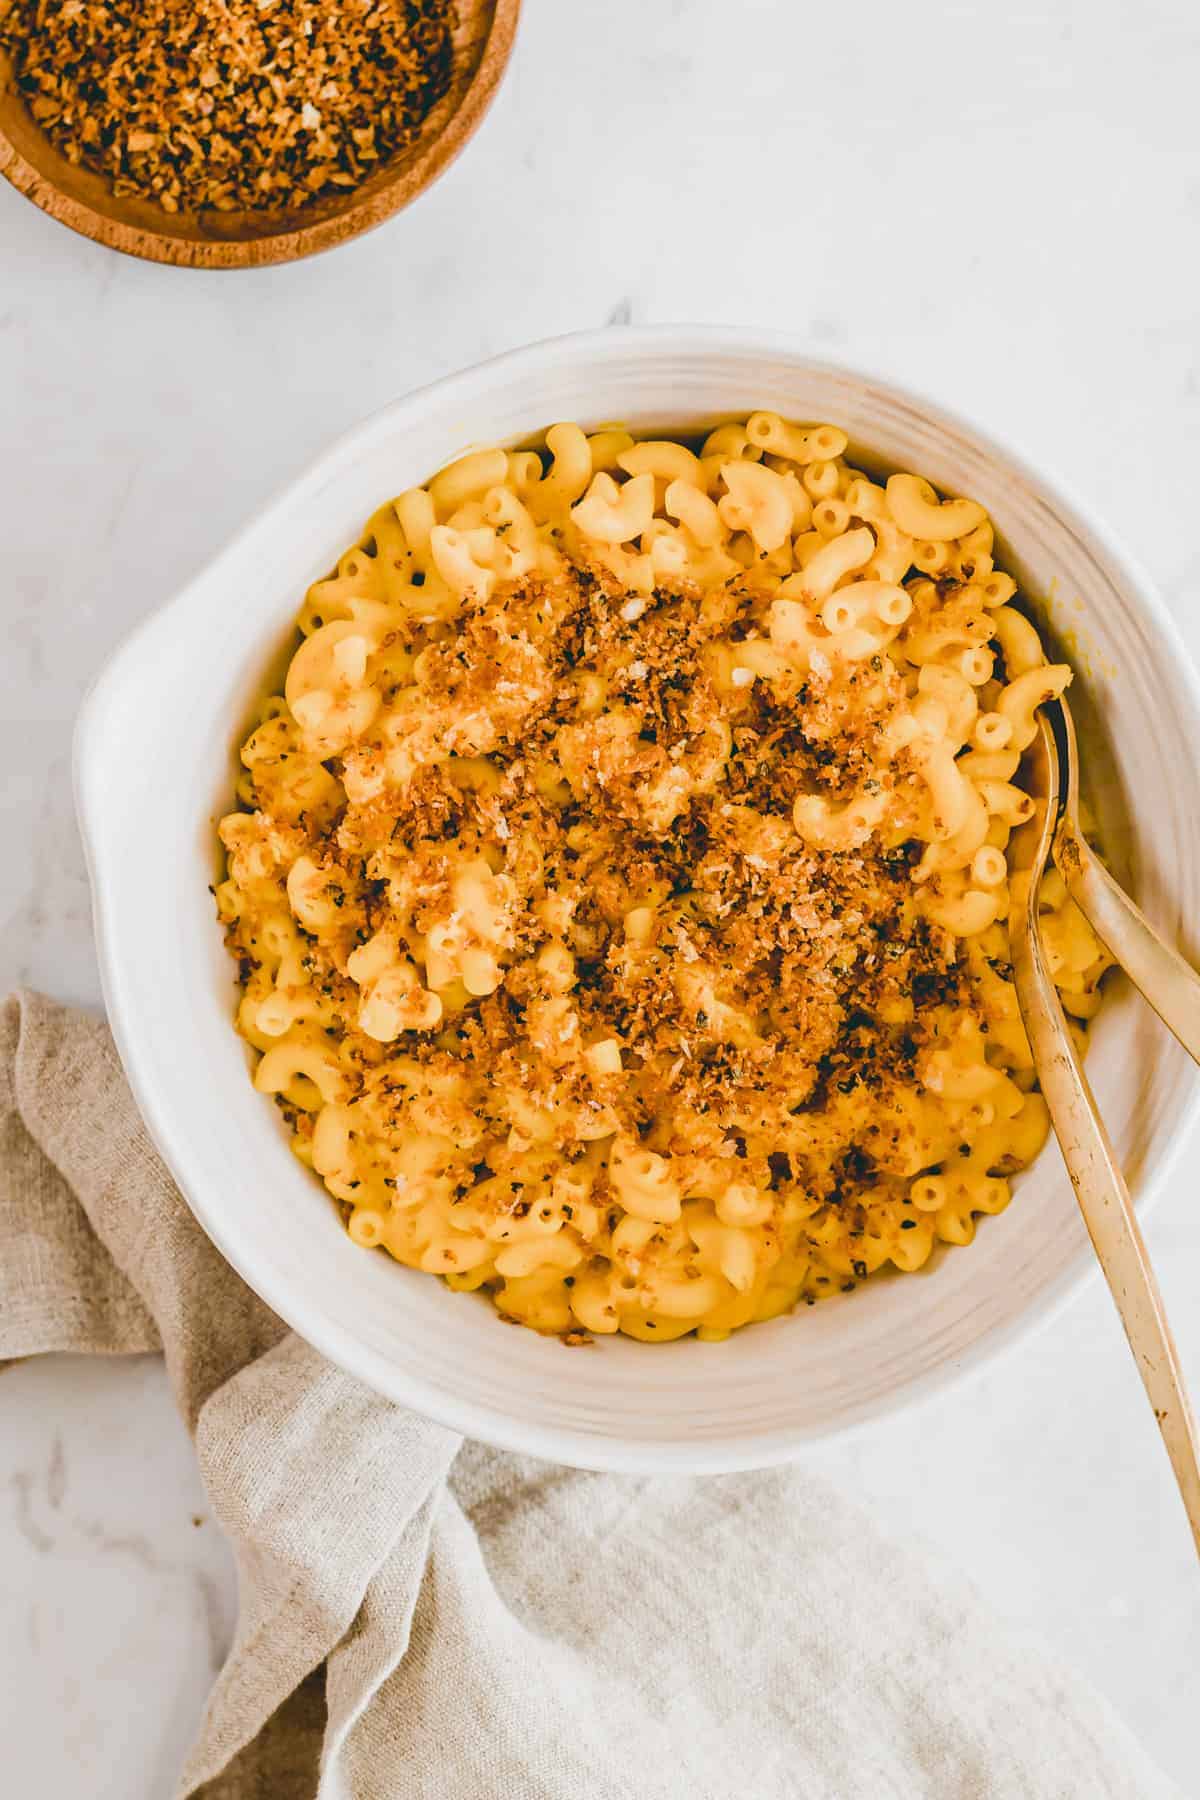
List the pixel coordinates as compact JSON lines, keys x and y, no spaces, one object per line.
{"x":620,"y":881}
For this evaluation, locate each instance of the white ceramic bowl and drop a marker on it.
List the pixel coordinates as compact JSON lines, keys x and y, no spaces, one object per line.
{"x":154,"y":768}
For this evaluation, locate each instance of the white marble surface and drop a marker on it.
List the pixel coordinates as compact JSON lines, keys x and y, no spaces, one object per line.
{"x":1001,"y":204}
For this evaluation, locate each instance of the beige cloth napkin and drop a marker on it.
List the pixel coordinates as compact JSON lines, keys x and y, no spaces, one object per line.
{"x":501,"y":1629}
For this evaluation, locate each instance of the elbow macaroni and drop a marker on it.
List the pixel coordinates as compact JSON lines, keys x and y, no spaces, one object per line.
{"x":620,"y":882}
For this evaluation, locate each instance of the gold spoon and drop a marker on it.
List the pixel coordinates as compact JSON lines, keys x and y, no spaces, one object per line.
{"x":1087,"y":1149}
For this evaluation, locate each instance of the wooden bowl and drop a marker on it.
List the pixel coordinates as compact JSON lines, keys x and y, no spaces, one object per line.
{"x":483,"y":40}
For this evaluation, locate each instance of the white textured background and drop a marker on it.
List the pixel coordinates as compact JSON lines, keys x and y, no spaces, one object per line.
{"x":999,"y":204}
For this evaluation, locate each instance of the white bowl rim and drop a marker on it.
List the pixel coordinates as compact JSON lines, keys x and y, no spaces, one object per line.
{"x":401,"y":1384}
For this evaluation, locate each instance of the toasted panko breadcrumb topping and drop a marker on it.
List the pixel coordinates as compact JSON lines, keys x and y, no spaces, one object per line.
{"x":675,"y":798}
{"x":808,"y":943}
{"x":227,"y":104}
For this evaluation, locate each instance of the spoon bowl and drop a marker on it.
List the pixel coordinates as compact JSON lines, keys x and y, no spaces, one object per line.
{"x":1169,"y":983}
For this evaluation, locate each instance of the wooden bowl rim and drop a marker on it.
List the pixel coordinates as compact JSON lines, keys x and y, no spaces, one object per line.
{"x":432,"y":158}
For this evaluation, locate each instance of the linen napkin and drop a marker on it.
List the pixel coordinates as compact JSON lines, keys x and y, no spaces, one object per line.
{"x":425,"y":1620}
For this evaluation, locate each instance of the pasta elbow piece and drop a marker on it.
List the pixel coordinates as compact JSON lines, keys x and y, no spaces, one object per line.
{"x":914,"y":505}
{"x":965,"y":914}
{"x":396,"y":1002}
{"x":757,"y":502}
{"x":828,"y":827}
{"x":849,"y":606}
{"x":643,"y":1182}
{"x":950,"y":793}
{"x":1020,"y":645}
{"x":569,"y":473}
{"x":465,"y":479}
{"x":666,"y":461}
{"x":795,"y":638}
{"x":1020,"y":699}
{"x":831,"y":564}
{"x":606,"y":446}
{"x":767,"y":432}
{"x":612,"y":514}
{"x":593,"y":1305}
{"x":309,"y":894}
{"x":326,"y":688}
{"x":741,"y":1204}
{"x":466,"y":945}
{"x":287,"y":1064}
{"x":696,"y":512}
{"x":455,"y":563}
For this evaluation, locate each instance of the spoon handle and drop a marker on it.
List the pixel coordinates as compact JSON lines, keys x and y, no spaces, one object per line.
{"x":1106,"y":1207}
{"x":1170,"y":984}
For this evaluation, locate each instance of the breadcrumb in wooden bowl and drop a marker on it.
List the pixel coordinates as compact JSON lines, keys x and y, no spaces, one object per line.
{"x":336,"y":141}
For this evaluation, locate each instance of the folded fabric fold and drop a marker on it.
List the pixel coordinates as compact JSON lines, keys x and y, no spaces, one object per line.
{"x":424,"y":1621}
